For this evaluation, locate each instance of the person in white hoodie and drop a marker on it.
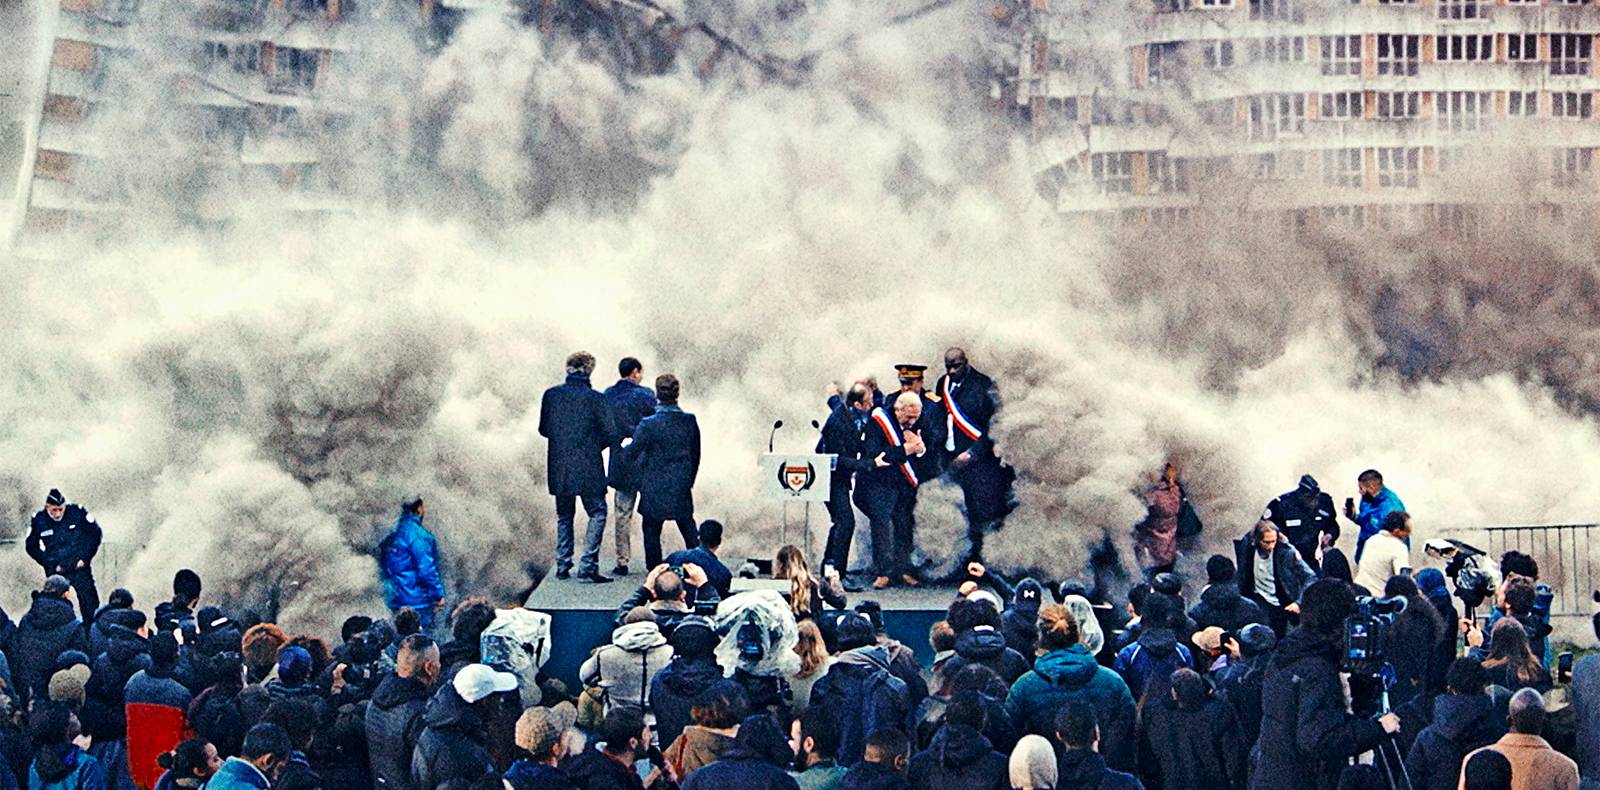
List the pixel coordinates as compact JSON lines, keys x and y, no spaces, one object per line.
{"x":625,"y":667}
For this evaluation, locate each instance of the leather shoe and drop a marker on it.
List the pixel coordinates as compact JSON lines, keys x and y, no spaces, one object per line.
{"x":563,"y":575}
{"x":620,"y":570}
{"x":910,"y":581}
{"x":880,"y":583}
{"x":594,"y":577}
{"x":851,"y":585}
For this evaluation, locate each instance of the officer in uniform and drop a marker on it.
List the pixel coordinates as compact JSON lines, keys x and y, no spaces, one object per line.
{"x":63,"y":539}
{"x":968,"y":405}
{"x":1304,"y":516}
{"x":841,"y":437}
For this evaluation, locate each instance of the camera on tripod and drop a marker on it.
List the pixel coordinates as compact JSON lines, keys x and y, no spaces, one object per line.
{"x":1364,"y":634}
{"x":1475,"y":578}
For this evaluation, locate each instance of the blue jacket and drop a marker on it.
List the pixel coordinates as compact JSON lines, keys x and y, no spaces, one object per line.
{"x":579,"y":425}
{"x":236,"y":774}
{"x":716,"y":573}
{"x":1071,"y":675}
{"x":410,"y":562}
{"x":1371,"y":513}
{"x":65,"y":767}
{"x":630,"y":402}
{"x":667,"y":447}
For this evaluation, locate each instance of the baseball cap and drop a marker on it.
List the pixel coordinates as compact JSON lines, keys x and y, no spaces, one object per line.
{"x":476,"y":681}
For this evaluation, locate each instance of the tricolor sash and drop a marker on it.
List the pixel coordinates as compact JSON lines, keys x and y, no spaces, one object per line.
{"x":957,"y":417}
{"x":892,"y":433}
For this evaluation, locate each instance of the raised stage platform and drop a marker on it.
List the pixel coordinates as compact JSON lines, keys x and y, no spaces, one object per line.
{"x":581,"y":616}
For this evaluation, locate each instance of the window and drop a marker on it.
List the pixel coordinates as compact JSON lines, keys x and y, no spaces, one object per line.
{"x":1211,"y":3}
{"x":1572,"y":166}
{"x":1466,"y":48}
{"x":1167,"y":175}
{"x":1397,"y":2}
{"x":1399,"y":55}
{"x":1407,"y":104}
{"x":1165,"y":61}
{"x":241,"y":57}
{"x":308,"y":9}
{"x":1061,"y":110}
{"x":1341,"y":55}
{"x":1279,"y":49}
{"x":1112,"y":173}
{"x":1399,"y":168}
{"x":1341,"y":167}
{"x":1282,"y":10}
{"x":1342,"y":106}
{"x":1462,"y":111}
{"x":1170,"y":216}
{"x":1455,"y":219}
{"x":1459,"y":9}
{"x":1278,"y":165}
{"x":1105,"y":110}
{"x":1218,"y":54}
{"x":1522,"y":47}
{"x":1217,"y":113}
{"x":294,"y":70}
{"x":1571,"y":104}
{"x":1451,"y":159}
{"x":1275,"y":114}
{"x":1523,"y":104}
{"x":1569,"y":53}
{"x":1344,"y":215}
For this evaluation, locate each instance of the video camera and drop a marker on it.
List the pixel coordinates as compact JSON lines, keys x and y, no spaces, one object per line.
{"x":1364,"y":634}
{"x":1475,"y":579}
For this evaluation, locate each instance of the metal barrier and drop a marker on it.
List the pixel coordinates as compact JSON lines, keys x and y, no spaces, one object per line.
{"x":1563,"y":552}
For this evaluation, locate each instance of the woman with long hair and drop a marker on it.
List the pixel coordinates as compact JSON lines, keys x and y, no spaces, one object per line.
{"x":189,"y":765}
{"x":1511,"y":662}
{"x":814,"y":663}
{"x":807,"y":593}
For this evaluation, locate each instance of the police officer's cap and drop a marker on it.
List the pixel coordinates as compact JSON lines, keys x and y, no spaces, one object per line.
{"x":55,"y":497}
{"x":909,"y":372}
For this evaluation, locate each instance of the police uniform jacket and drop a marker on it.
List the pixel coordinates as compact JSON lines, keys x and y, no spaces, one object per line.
{"x":58,"y":546}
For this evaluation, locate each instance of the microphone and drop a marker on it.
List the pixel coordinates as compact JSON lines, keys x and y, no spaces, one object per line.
{"x":775,"y":426}
{"x":816,"y":426}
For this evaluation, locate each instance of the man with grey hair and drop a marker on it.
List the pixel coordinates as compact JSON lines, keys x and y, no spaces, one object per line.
{"x":580,"y":426}
{"x":1534,"y":764}
{"x":886,"y":490}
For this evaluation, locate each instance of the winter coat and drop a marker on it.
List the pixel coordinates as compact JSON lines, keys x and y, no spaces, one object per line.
{"x":1197,"y":748}
{"x":156,"y":708}
{"x":297,"y":775}
{"x":629,"y":402}
{"x":106,"y":617}
{"x":716,"y":573}
{"x":872,"y":776}
{"x":1306,"y":735}
{"x":1150,"y":661}
{"x":1082,"y":769}
{"x":1411,"y":644}
{"x":1021,"y":629}
{"x":666,"y":447}
{"x":529,"y":775}
{"x":740,"y":769}
{"x":1157,"y":535}
{"x":696,"y":748}
{"x":825,"y":775}
{"x":1534,"y":765}
{"x":409,"y":560}
{"x":579,"y":425}
{"x":394,"y":721}
{"x":127,"y":656}
{"x":862,"y":693}
{"x":1460,"y":725}
{"x":58,"y":546}
{"x":1290,"y":572}
{"x":1222,"y":606}
{"x":673,"y":691}
{"x":841,"y":436}
{"x":49,"y":629}
{"x":169,"y":616}
{"x":65,"y":767}
{"x":1240,"y":684}
{"x":1371,"y":514}
{"x":452,"y":746}
{"x":593,"y":770}
{"x":959,"y":757}
{"x":984,"y":645}
{"x":1586,"y":713}
{"x":1301,"y":524}
{"x":1071,"y":675}
{"x":624,"y":668}
{"x":236,"y":774}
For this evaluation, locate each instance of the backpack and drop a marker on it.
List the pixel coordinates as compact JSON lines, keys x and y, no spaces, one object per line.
{"x":518,"y":641}
{"x":880,"y":701}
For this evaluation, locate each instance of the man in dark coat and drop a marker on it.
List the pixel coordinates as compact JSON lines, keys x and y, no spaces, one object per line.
{"x":666,"y":447}
{"x":1221,"y":605}
{"x":453,"y":747}
{"x":63,"y":538}
{"x":580,"y":427}
{"x":1306,"y":517}
{"x":625,"y":738}
{"x":49,"y":629}
{"x":1240,"y":682}
{"x":960,"y":756}
{"x":394,"y":716}
{"x":178,"y":613}
{"x":1189,"y":738}
{"x":1463,"y":720}
{"x":1307,"y":736}
{"x":693,"y":670}
{"x":841,"y":437}
{"x":1273,"y":574}
{"x":859,"y":691}
{"x":883,"y":763}
{"x":979,"y":641}
{"x":887,"y":491}
{"x":1081,"y":767}
{"x":630,"y":402}
{"x":752,"y":763}
{"x":968,"y":402}
{"x":931,"y":425}
{"x":154,"y":709}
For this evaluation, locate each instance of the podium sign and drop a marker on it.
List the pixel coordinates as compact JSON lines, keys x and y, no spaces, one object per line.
{"x":796,"y":477}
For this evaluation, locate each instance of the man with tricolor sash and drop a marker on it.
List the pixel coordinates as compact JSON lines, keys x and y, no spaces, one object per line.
{"x":887,"y":489}
{"x":969,"y":405}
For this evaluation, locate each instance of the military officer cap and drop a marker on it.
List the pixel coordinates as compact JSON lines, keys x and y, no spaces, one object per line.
{"x":909,"y":372}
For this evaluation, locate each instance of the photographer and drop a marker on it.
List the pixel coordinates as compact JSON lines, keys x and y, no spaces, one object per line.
{"x":672,"y":593}
{"x":1307,"y":736}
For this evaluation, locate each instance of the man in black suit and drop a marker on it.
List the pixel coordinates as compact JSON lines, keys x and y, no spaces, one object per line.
{"x":579,"y":425}
{"x":841,"y":436}
{"x":969,"y":405}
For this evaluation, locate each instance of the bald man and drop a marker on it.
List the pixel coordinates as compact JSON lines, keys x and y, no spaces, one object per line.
{"x":969,"y":405}
{"x":886,"y":490}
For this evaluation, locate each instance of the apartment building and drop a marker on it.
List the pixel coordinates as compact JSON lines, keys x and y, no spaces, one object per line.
{"x":1393,"y":114}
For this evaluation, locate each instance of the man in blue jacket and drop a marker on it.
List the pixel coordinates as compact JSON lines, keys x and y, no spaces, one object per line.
{"x":666,"y":447}
{"x":579,"y":426}
{"x":410,"y":565}
{"x":630,"y":402}
{"x":1377,"y":502}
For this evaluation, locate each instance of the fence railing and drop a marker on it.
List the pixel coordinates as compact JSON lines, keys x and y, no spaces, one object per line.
{"x":1563,"y":551}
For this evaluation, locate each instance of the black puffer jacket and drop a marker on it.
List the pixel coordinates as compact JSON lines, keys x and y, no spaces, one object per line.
{"x":452,"y":749}
{"x":1183,"y":747}
{"x":127,"y":654}
{"x":1221,"y":605}
{"x":1306,"y":735}
{"x":987,"y":646}
{"x":673,"y":691}
{"x":1460,"y":725}
{"x":394,"y":722}
{"x":49,"y":628}
{"x":958,"y":757}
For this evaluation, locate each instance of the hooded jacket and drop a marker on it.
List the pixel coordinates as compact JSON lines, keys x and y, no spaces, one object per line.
{"x":1020,"y":621}
{"x":1082,"y":769}
{"x":1150,"y":660}
{"x":1221,"y":605}
{"x":409,"y":557}
{"x":984,"y":645}
{"x":529,"y":775}
{"x":154,"y":706}
{"x":593,"y":770}
{"x":861,"y":692}
{"x":624,"y":668}
{"x":1306,"y":735}
{"x":64,"y":766}
{"x":1072,"y":675}
{"x":740,"y":769}
{"x":959,"y":757}
{"x":872,"y":776}
{"x":1460,"y":725}
{"x":674,"y":689}
{"x":1191,"y":748}
{"x":696,"y":748}
{"x":49,"y":629}
{"x":127,"y":655}
{"x":452,"y":746}
{"x":394,"y":721}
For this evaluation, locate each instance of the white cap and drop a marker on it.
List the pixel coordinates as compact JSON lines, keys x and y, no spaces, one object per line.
{"x":987,"y":597}
{"x":476,"y":681}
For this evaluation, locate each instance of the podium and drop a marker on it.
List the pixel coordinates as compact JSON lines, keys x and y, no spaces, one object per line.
{"x":797,"y":477}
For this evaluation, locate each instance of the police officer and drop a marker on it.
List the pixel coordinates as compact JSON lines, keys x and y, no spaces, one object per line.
{"x":841,"y":437}
{"x":968,"y":405}
{"x":1306,"y":517}
{"x":63,"y":538}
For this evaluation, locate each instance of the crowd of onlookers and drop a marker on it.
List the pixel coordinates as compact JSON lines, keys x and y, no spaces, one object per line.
{"x":1032,"y":685}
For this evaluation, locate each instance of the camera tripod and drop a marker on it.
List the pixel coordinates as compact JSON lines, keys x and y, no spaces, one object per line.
{"x":1388,"y":757}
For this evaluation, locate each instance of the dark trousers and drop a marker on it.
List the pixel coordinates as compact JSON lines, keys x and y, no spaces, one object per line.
{"x":843,"y":530}
{"x":83,"y":586}
{"x":652,"y":538}
{"x":890,"y":514}
{"x":566,"y":511}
